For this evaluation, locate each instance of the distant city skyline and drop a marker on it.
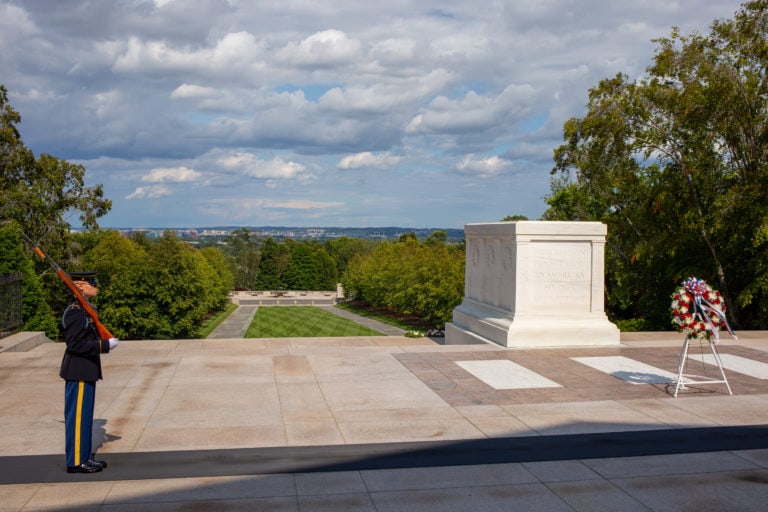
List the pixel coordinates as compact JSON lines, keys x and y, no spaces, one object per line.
{"x":327,"y":113}
{"x":299,"y":232}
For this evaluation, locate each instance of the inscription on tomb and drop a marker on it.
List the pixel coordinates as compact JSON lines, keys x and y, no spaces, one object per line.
{"x":561,"y":275}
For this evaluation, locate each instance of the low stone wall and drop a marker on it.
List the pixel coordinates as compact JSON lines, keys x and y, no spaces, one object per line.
{"x":287,"y":301}
{"x":23,"y":341}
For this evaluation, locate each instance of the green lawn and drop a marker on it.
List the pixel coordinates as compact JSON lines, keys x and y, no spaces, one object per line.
{"x":302,"y":322}
{"x":408,"y":324}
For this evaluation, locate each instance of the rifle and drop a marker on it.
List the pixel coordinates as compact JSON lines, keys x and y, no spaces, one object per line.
{"x":104,"y":333}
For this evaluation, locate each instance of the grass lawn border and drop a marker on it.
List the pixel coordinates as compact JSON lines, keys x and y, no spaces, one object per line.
{"x":303,"y":322}
{"x":405,"y":323}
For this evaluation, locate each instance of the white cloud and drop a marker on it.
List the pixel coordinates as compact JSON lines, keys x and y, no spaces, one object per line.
{"x":171,"y":175}
{"x":280,"y":100}
{"x":245,"y":209}
{"x":193,"y":91}
{"x":298,"y":204}
{"x":254,"y":203}
{"x":235,"y":53}
{"x":15,"y":22}
{"x":483,"y":167}
{"x":474,"y":111}
{"x":381,"y":98}
{"x":151,"y":192}
{"x":248,"y":164}
{"x":326,"y":48}
{"x":399,"y":51}
{"x":38,"y":95}
{"x":366,"y":159}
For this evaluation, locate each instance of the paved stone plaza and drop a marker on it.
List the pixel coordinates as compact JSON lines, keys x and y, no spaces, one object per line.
{"x":393,"y":424}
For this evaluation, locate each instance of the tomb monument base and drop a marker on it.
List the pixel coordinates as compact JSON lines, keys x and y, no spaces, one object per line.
{"x":533,"y":284}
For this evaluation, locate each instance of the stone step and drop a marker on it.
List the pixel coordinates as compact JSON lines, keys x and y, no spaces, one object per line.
{"x":23,"y":341}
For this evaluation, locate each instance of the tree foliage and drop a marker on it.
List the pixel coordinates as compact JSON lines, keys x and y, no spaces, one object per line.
{"x":343,"y":249}
{"x":245,"y":251}
{"x":161,"y":289}
{"x":225,"y":279}
{"x":325,"y":265}
{"x":272,"y":264}
{"x":36,"y":314}
{"x":302,"y":270}
{"x":293,"y":265}
{"x":41,"y":193}
{"x":676,"y":164}
{"x":409,"y":277}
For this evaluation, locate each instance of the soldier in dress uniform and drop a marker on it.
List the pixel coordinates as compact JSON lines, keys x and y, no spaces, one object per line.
{"x":81,"y":368}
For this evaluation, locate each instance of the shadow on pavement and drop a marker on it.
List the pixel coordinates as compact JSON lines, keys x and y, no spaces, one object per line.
{"x":334,"y":458}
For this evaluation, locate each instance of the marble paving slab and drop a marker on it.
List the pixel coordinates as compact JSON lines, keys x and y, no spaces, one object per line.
{"x":756,"y":369}
{"x":505,"y":374}
{"x":628,"y":369}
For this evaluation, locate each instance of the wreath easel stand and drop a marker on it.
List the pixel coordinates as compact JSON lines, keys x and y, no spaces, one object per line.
{"x":699,"y":312}
{"x":687,"y":378}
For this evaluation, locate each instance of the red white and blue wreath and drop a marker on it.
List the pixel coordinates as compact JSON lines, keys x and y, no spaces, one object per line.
{"x":698,"y":310}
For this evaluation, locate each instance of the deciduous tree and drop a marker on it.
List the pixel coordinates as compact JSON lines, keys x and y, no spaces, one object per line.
{"x":245,"y":251}
{"x":676,"y":163}
{"x":42,"y":193}
{"x":409,"y":277}
{"x":271,"y":266}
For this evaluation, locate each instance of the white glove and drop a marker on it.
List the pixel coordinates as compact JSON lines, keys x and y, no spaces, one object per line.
{"x":112,"y":343}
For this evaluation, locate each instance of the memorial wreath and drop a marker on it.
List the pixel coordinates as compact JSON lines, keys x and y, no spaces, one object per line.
{"x":698,"y":310}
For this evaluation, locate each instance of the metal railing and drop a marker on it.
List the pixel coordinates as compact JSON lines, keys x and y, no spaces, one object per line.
{"x":10,"y":304}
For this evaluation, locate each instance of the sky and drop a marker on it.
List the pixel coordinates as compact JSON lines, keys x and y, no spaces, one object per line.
{"x":320,"y":113}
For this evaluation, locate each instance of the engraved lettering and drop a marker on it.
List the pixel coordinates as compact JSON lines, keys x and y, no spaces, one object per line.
{"x":561,"y":276}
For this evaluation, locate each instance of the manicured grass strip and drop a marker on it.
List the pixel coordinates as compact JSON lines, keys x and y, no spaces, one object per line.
{"x":376,"y":316}
{"x":209,"y":325}
{"x":303,"y":322}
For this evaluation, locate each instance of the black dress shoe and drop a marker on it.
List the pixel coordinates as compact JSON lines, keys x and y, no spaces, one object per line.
{"x":101,"y":463}
{"x":84,"y":468}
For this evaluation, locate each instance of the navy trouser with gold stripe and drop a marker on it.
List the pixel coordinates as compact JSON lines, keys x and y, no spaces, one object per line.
{"x":79,"y":397}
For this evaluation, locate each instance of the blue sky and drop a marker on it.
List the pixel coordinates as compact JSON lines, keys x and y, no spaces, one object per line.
{"x":412,"y":113}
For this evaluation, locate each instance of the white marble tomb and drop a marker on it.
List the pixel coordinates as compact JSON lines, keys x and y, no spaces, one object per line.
{"x":533,"y":284}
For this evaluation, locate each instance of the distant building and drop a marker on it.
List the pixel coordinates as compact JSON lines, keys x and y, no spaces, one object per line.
{"x":214,"y":232}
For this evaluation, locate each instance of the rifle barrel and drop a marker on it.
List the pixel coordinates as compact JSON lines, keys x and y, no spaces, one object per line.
{"x":102,"y":330}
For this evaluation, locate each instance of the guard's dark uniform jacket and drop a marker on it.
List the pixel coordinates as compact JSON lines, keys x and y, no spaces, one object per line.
{"x":80,"y":368}
{"x":82,"y":358}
